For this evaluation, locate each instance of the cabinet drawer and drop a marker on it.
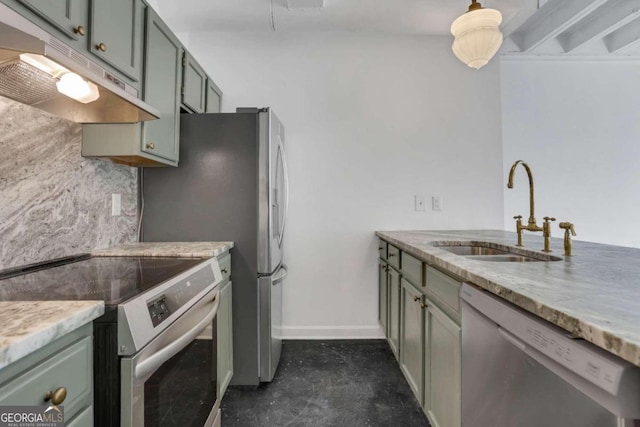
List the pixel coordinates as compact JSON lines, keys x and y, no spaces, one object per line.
{"x":225,"y":266}
{"x":444,"y":289}
{"x":411,"y":269}
{"x":382,"y":249}
{"x":71,"y":368}
{"x":393,"y":255}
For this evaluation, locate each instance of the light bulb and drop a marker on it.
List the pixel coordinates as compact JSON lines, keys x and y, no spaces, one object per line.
{"x":74,"y":86}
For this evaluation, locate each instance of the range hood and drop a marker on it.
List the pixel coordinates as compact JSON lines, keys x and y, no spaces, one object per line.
{"x":35,"y":68}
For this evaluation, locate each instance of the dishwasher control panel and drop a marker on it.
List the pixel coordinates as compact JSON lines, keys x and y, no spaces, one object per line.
{"x":526,"y":330}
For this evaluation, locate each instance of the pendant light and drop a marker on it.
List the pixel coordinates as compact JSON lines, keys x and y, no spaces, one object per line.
{"x":477,"y":35}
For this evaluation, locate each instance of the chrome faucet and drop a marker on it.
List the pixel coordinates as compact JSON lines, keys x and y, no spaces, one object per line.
{"x":531,"y":224}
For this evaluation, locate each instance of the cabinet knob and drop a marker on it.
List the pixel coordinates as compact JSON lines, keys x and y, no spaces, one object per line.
{"x":151,"y":146}
{"x":225,"y":270}
{"x":423,"y":305}
{"x":101,"y":47}
{"x":380,"y":248}
{"x":416,"y":298}
{"x":392,"y":255}
{"x":56,"y":397}
{"x":81,"y":31}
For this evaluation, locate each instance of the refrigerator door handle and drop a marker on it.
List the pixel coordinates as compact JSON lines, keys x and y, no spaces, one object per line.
{"x":283,"y":271}
{"x":286,"y":191}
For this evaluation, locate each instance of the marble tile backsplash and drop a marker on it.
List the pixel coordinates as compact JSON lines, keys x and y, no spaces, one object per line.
{"x":53,"y":202}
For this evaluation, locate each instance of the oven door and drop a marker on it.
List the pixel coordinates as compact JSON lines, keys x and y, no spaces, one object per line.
{"x":173,"y":380}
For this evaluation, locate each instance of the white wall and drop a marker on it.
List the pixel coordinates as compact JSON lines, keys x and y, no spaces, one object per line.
{"x":577,"y":124}
{"x":370,"y":122}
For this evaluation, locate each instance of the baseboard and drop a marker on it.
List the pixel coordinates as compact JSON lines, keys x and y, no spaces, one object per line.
{"x":331,"y":332}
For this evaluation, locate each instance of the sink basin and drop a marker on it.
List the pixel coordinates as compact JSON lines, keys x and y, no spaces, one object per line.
{"x":493,"y":252}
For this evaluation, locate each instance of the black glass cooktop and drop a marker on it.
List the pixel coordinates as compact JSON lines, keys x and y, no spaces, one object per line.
{"x":111,"y":279}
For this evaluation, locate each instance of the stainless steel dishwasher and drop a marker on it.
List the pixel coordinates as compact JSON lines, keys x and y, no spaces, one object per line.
{"x":521,"y":371}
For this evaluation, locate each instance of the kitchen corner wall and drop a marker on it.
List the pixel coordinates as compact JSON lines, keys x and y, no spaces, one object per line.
{"x":370,"y":121}
{"x":53,"y":202}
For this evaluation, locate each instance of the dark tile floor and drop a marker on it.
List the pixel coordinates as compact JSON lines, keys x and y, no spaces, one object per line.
{"x":328,"y":383}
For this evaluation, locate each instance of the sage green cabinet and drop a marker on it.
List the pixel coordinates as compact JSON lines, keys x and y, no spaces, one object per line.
{"x":66,"y":362}
{"x":194,"y":85}
{"x":423,"y":330}
{"x":163,"y":73}
{"x":155,"y":142}
{"x":70,"y":17}
{"x":117,"y":34}
{"x":443,"y":364}
{"x":214,"y":97}
{"x":225,"y":339}
{"x":393,"y":334}
{"x":412,"y":336}
{"x":383,"y":293}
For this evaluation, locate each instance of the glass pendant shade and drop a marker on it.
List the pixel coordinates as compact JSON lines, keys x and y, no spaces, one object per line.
{"x":477,"y":36}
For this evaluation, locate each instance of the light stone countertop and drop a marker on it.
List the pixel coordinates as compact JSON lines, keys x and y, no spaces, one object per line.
{"x":30,"y":325}
{"x":594,"y":294}
{"x":168,"y":249}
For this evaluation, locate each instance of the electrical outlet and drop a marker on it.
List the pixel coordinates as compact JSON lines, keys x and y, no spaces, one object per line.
{"x":419,"y":201}
{"x":436,"y":203}
{"x":116,"y":204}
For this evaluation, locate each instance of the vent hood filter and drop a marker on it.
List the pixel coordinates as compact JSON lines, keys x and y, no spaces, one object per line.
{"x":28,"y":53}
{"x":25,"y":83}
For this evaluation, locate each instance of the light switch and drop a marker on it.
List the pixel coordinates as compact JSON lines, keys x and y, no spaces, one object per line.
{"x":116,"y":204}
{"x":419,"y":203}
{"x":436,"y":203}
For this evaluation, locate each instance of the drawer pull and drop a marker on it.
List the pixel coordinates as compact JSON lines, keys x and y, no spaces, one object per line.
{"x":225,"y":270}
{"x":391,"y":255}
{"x":80,"y":30}
{"x":56,"y":397}
{"x":101,"y":47}
{"x":380,"y":248}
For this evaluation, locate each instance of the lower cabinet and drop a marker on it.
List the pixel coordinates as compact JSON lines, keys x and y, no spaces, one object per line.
{"x":412,"y":336}
{"x":383,"y":293}
{"x":393,"y":334}
{"x":424,"y":333}
{"x":225,"y":339}
{"x":64,"y":366}
{"x":442,"y":368}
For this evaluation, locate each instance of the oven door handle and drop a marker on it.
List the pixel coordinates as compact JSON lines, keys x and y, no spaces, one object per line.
{"x":153,"y":362}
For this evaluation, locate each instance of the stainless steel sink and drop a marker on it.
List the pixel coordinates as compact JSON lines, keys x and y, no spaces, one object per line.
{"x":492,"y":252}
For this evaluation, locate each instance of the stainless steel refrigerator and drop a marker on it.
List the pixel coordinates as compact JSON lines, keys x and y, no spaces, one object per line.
{"x":231,"y":184}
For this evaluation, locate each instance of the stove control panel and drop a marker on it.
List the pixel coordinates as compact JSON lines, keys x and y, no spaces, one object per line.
{"x":158,"y":310}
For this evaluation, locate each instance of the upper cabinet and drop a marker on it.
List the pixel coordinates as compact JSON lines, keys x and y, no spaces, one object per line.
{"x":163,"y":70}
{"x":214,"y":97}
{"x":117,"y":30}
{"x":70,"y":17}
{"x":129,"y":39}
{"x":194,"y":85}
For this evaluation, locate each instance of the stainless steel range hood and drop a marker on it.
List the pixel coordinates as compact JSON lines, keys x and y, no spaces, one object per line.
{"x":22,"y":81}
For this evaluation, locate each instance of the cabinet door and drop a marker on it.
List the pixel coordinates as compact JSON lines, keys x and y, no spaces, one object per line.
{"x":163,"y":69}
{"x":225,"y":340}
{"x":383,"y":292}
{"x":117,"y":34}
{"x":394,"y":311}
{"x":443,"y":401}
{"x":194,"y":84}
{"x":214,"y":96}
{"x":69,"y":16}
{"x":412,"y":337}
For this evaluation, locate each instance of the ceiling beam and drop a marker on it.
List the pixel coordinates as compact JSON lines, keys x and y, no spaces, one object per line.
{"x":552,"y":19}
{"x":605,"y":20}
{"x":623,"y":37}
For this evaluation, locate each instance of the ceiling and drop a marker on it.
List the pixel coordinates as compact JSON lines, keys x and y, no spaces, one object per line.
{"x":546,"y":28}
